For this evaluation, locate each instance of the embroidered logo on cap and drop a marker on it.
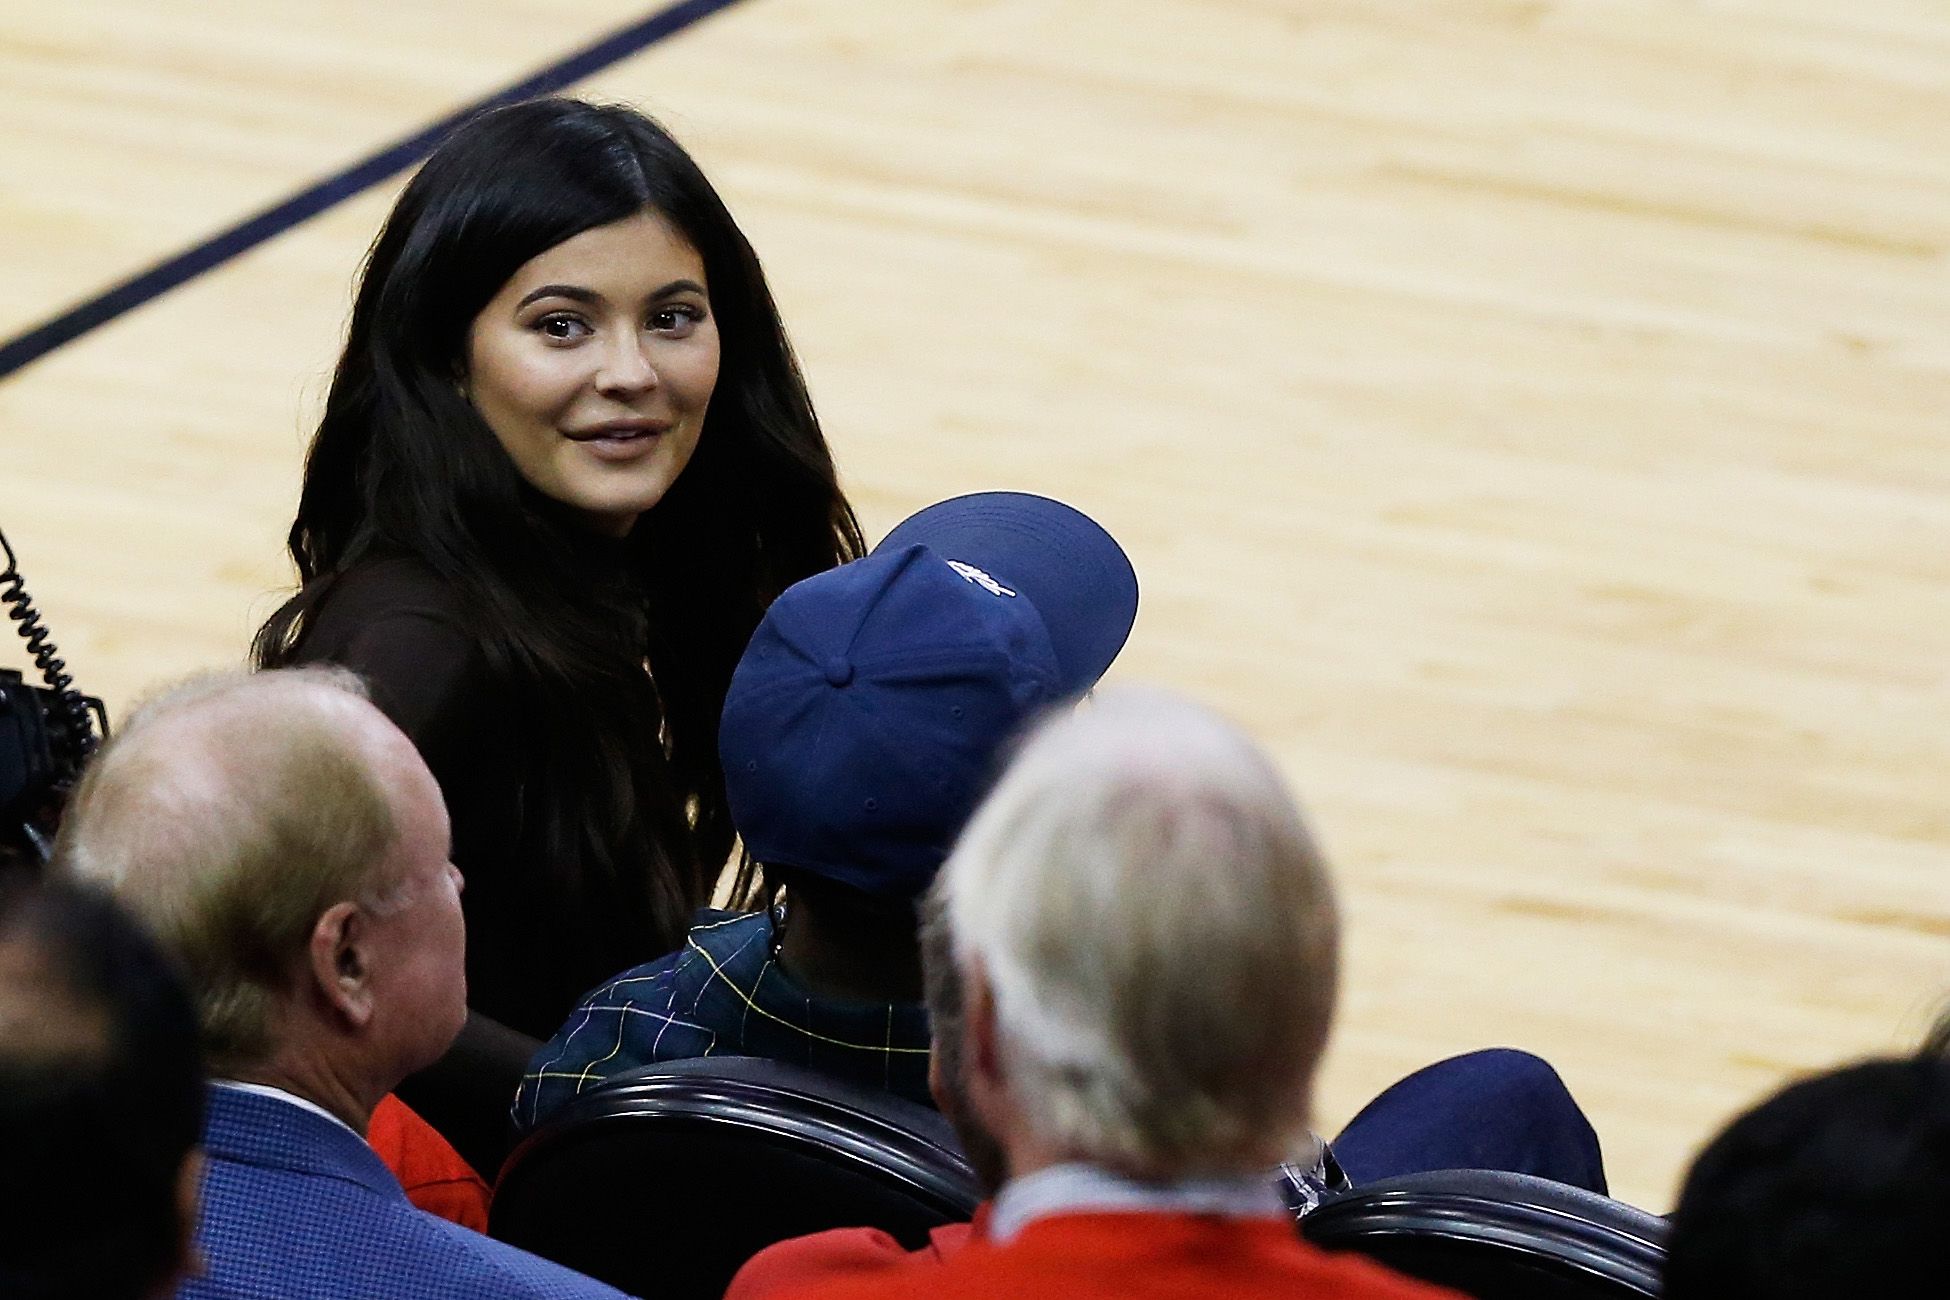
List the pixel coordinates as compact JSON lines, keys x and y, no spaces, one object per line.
{"x":980,"y":579}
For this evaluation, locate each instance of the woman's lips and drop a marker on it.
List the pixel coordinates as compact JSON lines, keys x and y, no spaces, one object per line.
{"x":621,"y":439}
{"x":617,"y":430}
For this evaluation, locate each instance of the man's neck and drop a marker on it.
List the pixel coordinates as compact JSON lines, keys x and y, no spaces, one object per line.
{"x":322,"y":1087}
{"x":849,"y":957}
{"x":1087,"y":1187}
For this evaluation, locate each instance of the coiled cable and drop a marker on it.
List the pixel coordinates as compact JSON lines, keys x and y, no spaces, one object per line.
{"x":75,"y":719}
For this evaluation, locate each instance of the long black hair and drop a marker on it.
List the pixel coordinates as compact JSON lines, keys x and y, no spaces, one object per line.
{"x":403,"y":462}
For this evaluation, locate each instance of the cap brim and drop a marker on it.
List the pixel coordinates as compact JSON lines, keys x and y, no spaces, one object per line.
{"x":1075,"y":573}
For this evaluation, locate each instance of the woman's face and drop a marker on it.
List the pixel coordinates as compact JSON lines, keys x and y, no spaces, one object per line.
{"x":594,"y":364}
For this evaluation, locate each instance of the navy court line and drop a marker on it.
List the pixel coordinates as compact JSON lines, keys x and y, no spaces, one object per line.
{"x":37,"y":342}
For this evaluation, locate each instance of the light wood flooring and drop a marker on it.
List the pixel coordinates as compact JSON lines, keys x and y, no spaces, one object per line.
{"x":1527,"y":416}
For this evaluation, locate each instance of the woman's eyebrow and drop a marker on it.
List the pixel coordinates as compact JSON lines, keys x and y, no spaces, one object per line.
{"x":576,"y":293}
{"x":573,"y":292}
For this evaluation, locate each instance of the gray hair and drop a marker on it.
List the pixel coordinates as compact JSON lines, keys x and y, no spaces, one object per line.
{"x":228,"y":814}
{"x":1159,"y":934}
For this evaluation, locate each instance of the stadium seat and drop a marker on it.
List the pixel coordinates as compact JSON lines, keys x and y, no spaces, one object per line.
{"x":664,"y":1180}
{"x":1498,"y":1236}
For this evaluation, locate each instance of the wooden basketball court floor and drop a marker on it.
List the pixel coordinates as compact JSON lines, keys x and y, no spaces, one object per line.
{"x":1527,"y":416}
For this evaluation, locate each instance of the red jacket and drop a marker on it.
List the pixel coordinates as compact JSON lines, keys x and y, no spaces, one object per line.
{"x":1079,"y":1256}
{"x":846,"y":1253}
{"x":435,"y":1177}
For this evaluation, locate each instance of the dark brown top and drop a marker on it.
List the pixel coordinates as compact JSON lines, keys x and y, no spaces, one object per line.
{"x":532,"y":952}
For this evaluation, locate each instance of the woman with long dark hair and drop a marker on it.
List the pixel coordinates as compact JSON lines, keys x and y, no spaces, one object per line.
{"x":566,"y":461}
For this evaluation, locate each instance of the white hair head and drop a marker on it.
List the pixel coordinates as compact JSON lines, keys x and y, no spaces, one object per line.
{"x":228,"y":814}
{"x":1159,"y":936}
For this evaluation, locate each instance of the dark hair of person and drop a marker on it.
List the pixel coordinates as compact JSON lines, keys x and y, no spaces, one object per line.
{"x":101,"y":1098}
{"x":848,"y":906}
{"x":402,"y":462}
{"x":1838,"y":1185}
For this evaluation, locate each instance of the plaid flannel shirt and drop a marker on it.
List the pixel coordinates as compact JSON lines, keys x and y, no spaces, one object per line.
{"x":724,"y":993}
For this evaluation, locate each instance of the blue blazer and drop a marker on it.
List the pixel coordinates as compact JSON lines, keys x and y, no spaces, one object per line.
{"x":296,"y":1207}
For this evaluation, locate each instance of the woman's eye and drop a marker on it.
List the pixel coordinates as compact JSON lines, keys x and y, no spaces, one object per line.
{"x":675,"y":321}
{"x":561,"y":326}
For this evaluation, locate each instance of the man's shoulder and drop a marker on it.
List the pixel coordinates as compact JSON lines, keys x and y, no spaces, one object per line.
{"x":720,"y":949}
{"x":655,"y":1012}
{"x":837,"y":1255}
{"x":744,"y":938}
{"x":720,"y":928}
{"x":716,"y":940}
{"x":328,"y":1237}
{"x":498,"y":1269}
{"x":1121,"y":1256}
{"x":440,"y":1258}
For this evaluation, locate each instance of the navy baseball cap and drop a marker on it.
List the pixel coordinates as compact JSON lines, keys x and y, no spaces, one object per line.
{"x":867,"y":716}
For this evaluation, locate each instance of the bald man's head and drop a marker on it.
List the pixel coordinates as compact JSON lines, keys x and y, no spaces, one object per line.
{"x":234,"y":810}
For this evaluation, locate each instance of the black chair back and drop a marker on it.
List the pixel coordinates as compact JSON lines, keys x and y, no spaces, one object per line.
{"x":664,"y":1180}
{"x":1498,"y":1236}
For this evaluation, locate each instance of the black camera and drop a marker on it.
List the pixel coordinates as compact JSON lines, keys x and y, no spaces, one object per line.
{"x":46,"y":733}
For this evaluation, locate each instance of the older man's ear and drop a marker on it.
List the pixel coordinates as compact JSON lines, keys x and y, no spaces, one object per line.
{"x":984,"y":1077}
{"x":341,"y":971}
{"x":983,"y":1049}
{"x":945,"y":1100}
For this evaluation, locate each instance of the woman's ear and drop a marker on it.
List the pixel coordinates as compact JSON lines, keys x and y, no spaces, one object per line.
{"x":457,"y":369}
{"x":340,"y":962}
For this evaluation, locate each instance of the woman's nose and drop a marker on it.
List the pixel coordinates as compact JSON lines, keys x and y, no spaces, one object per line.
{"x":626,"y":368}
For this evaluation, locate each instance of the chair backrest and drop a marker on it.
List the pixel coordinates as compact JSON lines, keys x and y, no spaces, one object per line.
{"x":1498,"y":1236}
{"x":664,"y":1180}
